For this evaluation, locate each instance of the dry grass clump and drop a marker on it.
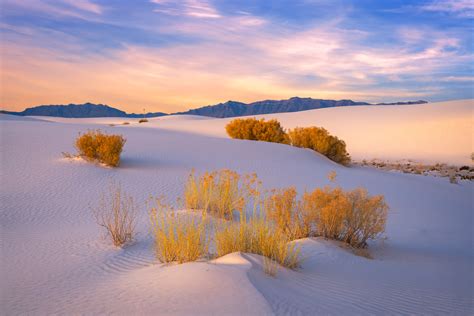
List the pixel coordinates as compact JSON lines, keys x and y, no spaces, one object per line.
{"x":319,"y":139}
{"x":253,"y":129}
{"x":143,"y":120}
{"x":177,"y":237}
{"x":219,"y":193}
{"x":258,"y":236}
{"x":117,"y":213}
{"x":352,"y":217}
{"x":282,"y":207}
{"x":96,"y":145}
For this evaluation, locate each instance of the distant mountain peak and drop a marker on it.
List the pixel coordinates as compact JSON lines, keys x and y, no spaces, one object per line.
{"x":83,"y":110}
{"x":229,"y":108}
{"x":293,"y":104}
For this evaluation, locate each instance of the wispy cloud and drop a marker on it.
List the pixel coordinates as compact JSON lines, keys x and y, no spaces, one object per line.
{"x":172,"y":55}
{"x":68,"y":8}
{"x":192,"y":8}
{"x":461,"y":8}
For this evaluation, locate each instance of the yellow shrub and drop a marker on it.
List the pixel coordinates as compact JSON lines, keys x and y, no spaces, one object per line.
{"x":220,"y":192}
{"x":257,"y":236}
{"x":319,"y":139}
{"x":177,"y":237}
{"x":98,"y":146}
{"x":117,"y":213}
{"x":353,"y":217}
{"x":283,"y":209}
{"x":253,"y":129}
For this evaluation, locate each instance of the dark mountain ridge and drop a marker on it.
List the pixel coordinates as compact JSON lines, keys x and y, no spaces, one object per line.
{"x":221,"y":110}
{"x":295,"y":104}
{"x":80,"y":111}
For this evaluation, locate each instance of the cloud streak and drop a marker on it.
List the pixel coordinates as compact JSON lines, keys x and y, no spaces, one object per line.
{"x":223,"y":54}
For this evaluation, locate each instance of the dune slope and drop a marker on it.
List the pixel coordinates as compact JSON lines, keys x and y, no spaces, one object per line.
{"x":55,"y":259}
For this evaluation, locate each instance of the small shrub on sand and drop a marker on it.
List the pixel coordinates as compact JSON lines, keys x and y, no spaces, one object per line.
{"x":258,"y":236}
{"x":125,"y":123}
{"x":117,"y":213}
{"x":352,"y":217}
{"x":282,"y":207}
{"x":98,"y":146}
{"x":319,"y":139}
{"x":144,"y":120}
{"x":253,"y":129}
{"x":220,"y":192}
{"x":177,"y":237}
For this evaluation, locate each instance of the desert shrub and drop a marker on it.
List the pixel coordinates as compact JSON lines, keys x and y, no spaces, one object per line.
{"x":177,"y":237}
{"x":282,"y":207}
{"x":220,"y":192}
{"x":258,"y":236}
{"x":319,"y":139}
{"x":117,"y":213}
{"x":353,"y":217}
{"x":125,"y":123}
{"x":253,"y":129}
{"x":98,"y":146}
{"x":143,"y":120}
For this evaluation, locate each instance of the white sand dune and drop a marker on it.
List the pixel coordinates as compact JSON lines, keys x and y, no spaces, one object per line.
{"x":54,"y":258}
{"x":431,"y":133}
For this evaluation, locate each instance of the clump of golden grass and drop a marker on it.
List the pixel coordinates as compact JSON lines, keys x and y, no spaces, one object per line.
{"x":177,"y":237}
{"x":258,"y":236}
{"x":352,"y":217}
{"x":319,"y":139}
{"x":282,"y":207}
{"x":125,"y":123}
{"x":219,"y":193}
{"x":117,"y":213}
{"x":96,"y":145}
{"x":253,"y":129}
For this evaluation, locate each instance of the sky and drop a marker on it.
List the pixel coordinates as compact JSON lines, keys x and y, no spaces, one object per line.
{"x":164,"y":55}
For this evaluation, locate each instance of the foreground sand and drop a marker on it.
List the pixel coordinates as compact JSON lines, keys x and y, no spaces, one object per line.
{"x":54,"y":259}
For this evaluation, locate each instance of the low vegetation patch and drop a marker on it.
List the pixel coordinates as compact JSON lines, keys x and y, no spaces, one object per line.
{"x":177,"y":237}
{"x":284,"y":210}
{"x":258,"y":236}
{"x":277,"y":218}
{"x":143,"y":120}
{"x":353,"y":217}
{"x":117,"y":213}
{"x":319,"y":139}
{"x":220,"y":192}
{"x":253,"y":129}
{"x":96,"y":145}
{"x":315,"y":138}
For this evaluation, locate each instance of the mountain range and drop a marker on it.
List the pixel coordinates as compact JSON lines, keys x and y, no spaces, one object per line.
{"x":221,"y":110}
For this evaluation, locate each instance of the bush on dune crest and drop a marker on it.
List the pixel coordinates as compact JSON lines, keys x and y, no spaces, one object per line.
{"x":98,"y":146}
{"x":253,"y":129}
{"x":319,"y":139}
{"x":315,"y":138}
